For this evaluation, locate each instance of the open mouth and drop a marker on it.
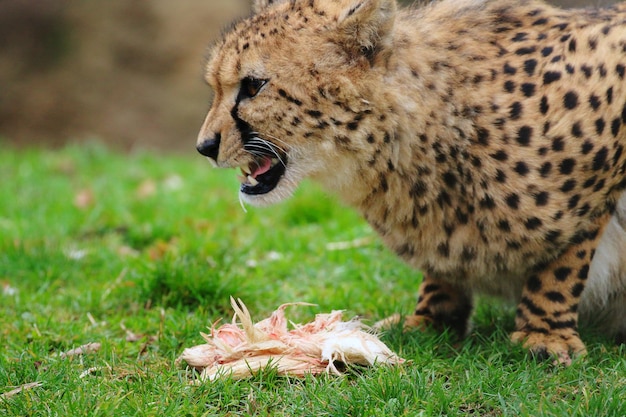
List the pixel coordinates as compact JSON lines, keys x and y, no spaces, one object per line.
{"x":262,"y":175}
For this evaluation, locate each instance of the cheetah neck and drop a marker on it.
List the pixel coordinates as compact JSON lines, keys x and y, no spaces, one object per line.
{"x":419,"y":181}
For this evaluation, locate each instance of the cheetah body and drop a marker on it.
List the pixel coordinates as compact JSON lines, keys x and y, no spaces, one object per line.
{"x":482,"y":139}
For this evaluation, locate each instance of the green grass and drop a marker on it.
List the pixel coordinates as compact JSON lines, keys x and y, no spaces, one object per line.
{"x":158,"y":245}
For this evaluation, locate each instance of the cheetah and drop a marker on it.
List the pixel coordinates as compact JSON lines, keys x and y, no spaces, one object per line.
{"x":483,"y":140}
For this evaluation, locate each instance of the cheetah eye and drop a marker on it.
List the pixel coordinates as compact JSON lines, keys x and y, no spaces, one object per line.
{"x":250,"y":87}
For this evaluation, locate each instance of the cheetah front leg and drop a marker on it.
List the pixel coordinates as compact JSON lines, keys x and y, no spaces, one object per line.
{"x":547,"y":315}
{"x":441,"y":305}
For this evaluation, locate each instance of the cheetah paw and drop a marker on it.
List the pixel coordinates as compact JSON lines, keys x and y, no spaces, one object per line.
{"x":417,"y":322}
{"x":557,"y":346}
{"x":410,"y":322}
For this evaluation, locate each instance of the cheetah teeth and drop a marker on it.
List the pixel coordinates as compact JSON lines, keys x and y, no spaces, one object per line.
{"x":248,"y":179}
{"x":246,"y":170}
{"x":252,"y":181}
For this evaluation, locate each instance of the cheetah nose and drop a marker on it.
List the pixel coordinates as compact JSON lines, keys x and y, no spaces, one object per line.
{"x":210,"y":147}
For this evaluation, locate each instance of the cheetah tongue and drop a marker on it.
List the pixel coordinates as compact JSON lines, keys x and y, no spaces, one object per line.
{"x":262,"y":167}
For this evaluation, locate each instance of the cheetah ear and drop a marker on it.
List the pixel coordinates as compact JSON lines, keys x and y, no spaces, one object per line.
{"x":259,"y":5}
{"x":365,"y":26}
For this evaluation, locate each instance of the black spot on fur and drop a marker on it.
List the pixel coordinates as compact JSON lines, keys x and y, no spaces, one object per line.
{"x":532,"y":307}
{"x":555,"y":297}
{"x":533,"y":223}
{"x":512,"y":200}
{"x":450,"y":179}
{"x":519,"y":37}
{"x":500,"y":155}
{"x":594,"y":102}
{"x":609,"y":95}
{"x":528,"y":89}
{"x":545,"y":169}
{"x":551,"y":76}
{"x":521,"y":168}
{"x":468,"y":254}
{"x":600,"y":124}
{"x":482,"y":135}
{"x":530,"y":65}
{"x":383,"y":183}
{"x":590,"y":181}
{"x":543,"y":106}
{"x":572,"y":45}
{"x":541,"y":199}
{"x":577,"y":290}
{"x":509,"y":70}
{"x":552,"y":236}
{"x":587,"y":70}
{"x":593,"y":43}
{"x":599,"y":185}
{"x":600,"y":158}
{"x":568,"y":185}
{"x":461,"y":216}
{"x":524,"y":135}
{"x":615,"y":126}
{"x":577,"y":130}
{"x":573,"y":202}
{"x":583,"y":272}
{"x":444,"y":249}
{"x":313,"y":113}
{"x":567,"y":166}
{"x":513,"y":245}
{"x":487,"y":202}
{"x":562,"y":273}
{"x":515,"y":110}
{"x":418,"y":189}
{"x":558,"y":144}
{"x":570,"y":100}
{"x":504,"y":225}
{"x":526,"y":50}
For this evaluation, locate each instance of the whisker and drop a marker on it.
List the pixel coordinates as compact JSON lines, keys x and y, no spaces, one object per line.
{"x":270,"y":144}
{"x":278,"y":156}
{"x":257,"y":150}
{"x":258,"y":136}
{"x":278,"y":140}
{"x":264,"y":145}
{"x":242,"y":204}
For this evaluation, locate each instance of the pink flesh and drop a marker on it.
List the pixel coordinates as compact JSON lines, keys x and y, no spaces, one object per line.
{"x":262,"y":168}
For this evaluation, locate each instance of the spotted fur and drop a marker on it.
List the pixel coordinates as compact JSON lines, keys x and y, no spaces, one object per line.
{"x":482,"y":139}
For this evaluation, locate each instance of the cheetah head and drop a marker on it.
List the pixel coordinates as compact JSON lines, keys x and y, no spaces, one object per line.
{"x":293,"y":91}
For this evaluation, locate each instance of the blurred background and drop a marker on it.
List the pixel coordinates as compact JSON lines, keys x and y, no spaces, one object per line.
{"x":127,"y":73}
